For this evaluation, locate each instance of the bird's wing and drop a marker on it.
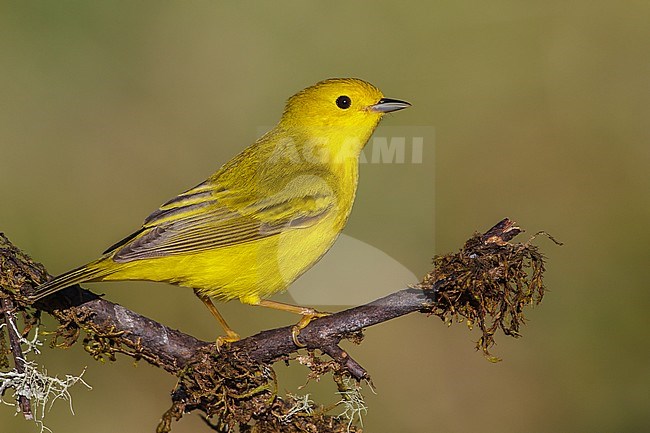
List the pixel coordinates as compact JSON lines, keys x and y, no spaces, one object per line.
{"x":208,"y":217}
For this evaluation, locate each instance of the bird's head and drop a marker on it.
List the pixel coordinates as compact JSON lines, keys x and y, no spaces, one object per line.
{"x":338,"y":110}
{"x":340,"y":102}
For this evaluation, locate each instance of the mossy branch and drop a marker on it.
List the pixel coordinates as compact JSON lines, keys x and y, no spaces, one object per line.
{"x":487,"y":283}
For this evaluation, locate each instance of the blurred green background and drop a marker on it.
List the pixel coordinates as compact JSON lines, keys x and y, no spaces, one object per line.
{"x":540,"y":111}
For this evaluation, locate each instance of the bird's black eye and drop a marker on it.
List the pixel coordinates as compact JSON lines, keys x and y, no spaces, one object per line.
{"x":343,"y":102}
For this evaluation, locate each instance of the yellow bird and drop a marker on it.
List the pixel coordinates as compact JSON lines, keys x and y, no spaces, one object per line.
{"x":262,"y":219}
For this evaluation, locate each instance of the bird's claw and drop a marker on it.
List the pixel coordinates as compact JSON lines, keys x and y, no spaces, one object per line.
{"x":306,"y":320}
{"x":230,"y":337}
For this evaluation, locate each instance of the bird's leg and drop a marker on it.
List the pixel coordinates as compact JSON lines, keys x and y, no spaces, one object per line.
{"x":308,"y":314}
{"x":231,"y":335}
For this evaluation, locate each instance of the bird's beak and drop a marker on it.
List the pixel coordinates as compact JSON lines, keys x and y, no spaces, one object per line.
{"x":387,"y":105}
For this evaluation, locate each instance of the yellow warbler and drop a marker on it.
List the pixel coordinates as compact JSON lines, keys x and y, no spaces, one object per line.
{"x":263,"y":218}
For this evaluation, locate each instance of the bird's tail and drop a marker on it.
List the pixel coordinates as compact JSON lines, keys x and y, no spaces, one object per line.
{"x":91,"y":272}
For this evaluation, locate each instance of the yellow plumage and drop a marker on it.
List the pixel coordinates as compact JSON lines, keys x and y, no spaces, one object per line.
{"x":266,"y":216}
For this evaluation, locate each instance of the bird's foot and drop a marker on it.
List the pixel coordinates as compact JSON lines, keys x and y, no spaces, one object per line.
{"x":230,"y":337}
{"x":308,"y":315}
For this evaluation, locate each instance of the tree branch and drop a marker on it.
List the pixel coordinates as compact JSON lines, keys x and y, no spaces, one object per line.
{"x":111,"y":328}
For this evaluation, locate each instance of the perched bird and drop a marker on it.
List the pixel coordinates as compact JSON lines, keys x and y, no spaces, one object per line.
{"x":262,"y":219}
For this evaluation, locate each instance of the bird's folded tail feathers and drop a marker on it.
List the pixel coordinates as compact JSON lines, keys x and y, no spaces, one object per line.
{"x":89,"y":272}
